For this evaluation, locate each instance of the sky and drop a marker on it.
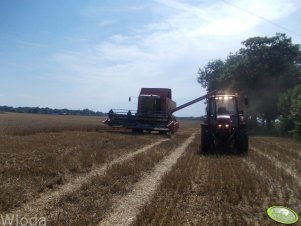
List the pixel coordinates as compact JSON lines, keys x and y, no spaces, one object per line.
{"x":79,"y":54}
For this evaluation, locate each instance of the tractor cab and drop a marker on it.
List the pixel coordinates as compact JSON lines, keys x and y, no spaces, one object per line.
{"x":222,"y":111}
{"x":222,"y":104}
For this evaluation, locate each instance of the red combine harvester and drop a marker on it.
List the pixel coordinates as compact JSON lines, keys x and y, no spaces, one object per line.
{"x":154,"y":113}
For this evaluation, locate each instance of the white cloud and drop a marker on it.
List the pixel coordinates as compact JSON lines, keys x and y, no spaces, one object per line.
{"x":226,"y":17}
{"x":165,"y":53}
{"x":118,"y":52}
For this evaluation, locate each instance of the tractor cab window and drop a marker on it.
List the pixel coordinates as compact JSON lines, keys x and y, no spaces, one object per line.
{"x":225,"y":106}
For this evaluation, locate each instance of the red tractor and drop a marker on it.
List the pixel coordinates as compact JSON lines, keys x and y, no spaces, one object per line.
{"x":224,"y":124}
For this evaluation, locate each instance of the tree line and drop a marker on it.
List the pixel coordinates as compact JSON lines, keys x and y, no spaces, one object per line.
{"x":38,"y":110}
{"x":268,"y":71}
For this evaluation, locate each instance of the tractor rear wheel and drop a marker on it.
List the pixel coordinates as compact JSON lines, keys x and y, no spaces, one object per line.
{"x":242,"y":142}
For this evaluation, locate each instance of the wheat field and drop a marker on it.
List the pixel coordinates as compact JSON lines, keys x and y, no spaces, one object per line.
{"x":73,"y":170}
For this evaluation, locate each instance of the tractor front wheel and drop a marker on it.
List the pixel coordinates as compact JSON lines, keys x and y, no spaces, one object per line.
{"x":206,"y":141}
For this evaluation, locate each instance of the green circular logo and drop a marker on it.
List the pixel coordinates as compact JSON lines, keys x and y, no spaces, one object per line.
{"x":282,"y":214}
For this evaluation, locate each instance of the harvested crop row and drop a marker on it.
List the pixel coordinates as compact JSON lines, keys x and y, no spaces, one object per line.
{"x":32,"y":165}
{"x":284,"y":153}
{"x":284,"y":143}
{"x":282,"y":166}
{"x":279,"y":193}
{"x":90,"y":203}
{"x":276,"y":171}
{"x":74,"y":185}
{"x":214,"y":190}
{"x":127,"y":208}
{"x":167,"y":206}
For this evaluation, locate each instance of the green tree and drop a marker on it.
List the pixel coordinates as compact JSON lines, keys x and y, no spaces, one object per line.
{"x":262,"y":70}
{"x":209,"y":76}
{"x":290,"y":109}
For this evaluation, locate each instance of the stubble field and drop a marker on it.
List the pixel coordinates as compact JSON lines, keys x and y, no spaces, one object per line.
{"x":73,"y":170}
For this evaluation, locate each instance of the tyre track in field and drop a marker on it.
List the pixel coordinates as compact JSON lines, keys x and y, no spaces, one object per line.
{"x":294,"y":149}
{"x":225,"y":190}
{"x":283,"y":187}
{"x":33,"y":207}
{"x":219,"y":195}
{"x":280,"y":165}
{"x":126,"y":209}
{"x":283,"y":154}
{"x":282,"y":192}
{"x":234,"y":195}
{"x":293,"y":152}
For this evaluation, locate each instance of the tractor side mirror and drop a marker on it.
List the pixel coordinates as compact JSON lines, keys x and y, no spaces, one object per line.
{"x":130,"y":99}
{"x":246,"y":101}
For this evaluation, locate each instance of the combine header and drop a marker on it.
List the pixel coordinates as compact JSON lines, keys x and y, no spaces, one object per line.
{"x":154,"y":113}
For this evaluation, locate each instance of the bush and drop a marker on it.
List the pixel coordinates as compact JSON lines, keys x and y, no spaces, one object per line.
{"x":290,"y":107}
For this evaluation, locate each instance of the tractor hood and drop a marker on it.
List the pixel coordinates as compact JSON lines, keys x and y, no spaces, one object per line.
{"x":223,"y":118}
{"x":223,"y":128}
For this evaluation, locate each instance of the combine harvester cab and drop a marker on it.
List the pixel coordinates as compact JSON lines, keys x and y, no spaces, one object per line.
{"x":153,"y":113}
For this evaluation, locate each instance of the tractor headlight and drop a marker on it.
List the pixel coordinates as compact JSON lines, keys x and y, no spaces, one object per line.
{"x":227,"y":126}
